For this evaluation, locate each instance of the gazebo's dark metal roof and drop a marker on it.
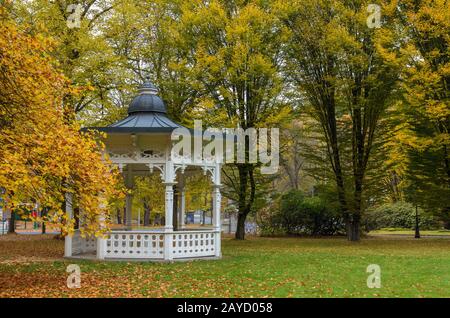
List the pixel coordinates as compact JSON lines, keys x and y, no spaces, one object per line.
{"x":146,"y":113}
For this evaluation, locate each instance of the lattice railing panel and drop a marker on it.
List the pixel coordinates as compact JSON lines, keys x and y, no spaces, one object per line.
{"x":148,"y":245}
{"x":135,"y":245}
{"x":193,"y":244}
{"x":81,"y":245}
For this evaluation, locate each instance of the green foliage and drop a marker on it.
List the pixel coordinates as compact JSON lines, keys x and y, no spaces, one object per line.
{"x":398,"y":215}
{"x":198,"y":193}
{"x":298,"y":214}
{"x":363,"y":138}
{"x":341,"y":68}
{"x":148,"y":193}
{"x":420,"y":147}
{"x":83,"y":53}
{"x":236,"y":49}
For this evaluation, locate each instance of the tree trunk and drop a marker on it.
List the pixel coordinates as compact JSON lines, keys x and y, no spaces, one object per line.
{"x":119,"y":216}
{"x":12,"y":222}
{"x":445,"y":216}
{"x":245,"y":203}
{"x":43,"y":214}
{"x":124,"y":215}
{"x":417,"y":231}
{"x":76,"y":216}
{"x":334,"y":157}
{"x":146,"y":214}
{"x":240,"y":228}
{"x":353,"y":229}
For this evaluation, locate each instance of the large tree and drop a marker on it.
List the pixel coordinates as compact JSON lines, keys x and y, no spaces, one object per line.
{"x":42,"y":156}
{"x":237,"y":48}
{"x":84,"y":55}
{"x":143,"y":35}
{"x":340,"y":66}
{"x":424,"y":137}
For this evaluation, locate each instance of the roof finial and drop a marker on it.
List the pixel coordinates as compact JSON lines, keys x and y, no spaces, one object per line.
{"x":147,"y":87}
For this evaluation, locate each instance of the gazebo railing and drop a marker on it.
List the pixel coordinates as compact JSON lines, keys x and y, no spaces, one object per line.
{"x":161,"y":245}
{"x":193,"y":243}
{"x":82,"y":245}
{"x":134,"y":244}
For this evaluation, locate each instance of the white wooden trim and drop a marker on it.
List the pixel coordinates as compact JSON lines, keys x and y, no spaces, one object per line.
{"x":152,"y":244}
{"x":128,"y":209}
{"x":68,"y":238}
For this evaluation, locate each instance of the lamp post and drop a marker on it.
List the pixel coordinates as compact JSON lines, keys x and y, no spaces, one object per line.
{"x":139,"y":217}
{"x":417,"y":232}
{"x":2,"y":222}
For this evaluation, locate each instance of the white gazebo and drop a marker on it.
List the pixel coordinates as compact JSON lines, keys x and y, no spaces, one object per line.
{"x":141,"y":144}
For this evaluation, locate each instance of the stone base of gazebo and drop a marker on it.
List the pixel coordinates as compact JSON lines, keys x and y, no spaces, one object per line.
{"x":148,"y":245}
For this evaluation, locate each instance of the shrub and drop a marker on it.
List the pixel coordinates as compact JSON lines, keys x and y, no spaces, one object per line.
{"x":398,"y":215}
{"x":297,"y":214}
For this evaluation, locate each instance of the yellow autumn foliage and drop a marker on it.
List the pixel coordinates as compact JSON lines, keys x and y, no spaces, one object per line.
{"x":43,"y":155}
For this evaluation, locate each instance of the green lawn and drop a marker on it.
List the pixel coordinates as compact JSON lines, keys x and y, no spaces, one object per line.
{"x":258,"y":267}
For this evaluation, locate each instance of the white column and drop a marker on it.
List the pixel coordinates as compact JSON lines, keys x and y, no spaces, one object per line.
{"x":139,"y":218}
{"x":101,"y":241}
{"x":181,"y":204}
{"x":129,"y":197}
{"x":68,"y":238}
{"x":183,"y":209}
{"x":168,"y":226}
{"x":169,"y":182}
{"x":217,"y":200}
